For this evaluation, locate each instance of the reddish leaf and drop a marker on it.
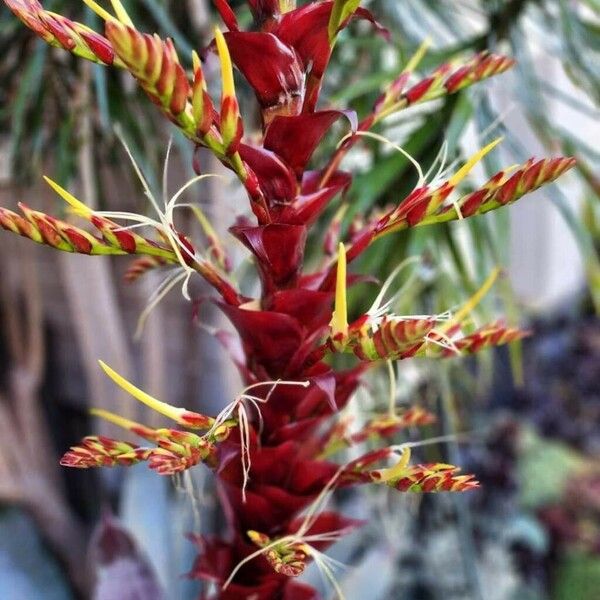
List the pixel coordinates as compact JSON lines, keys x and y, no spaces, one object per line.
{"x":311,"y":308}
{"x":266,"y":506}
{"x":306,"y":131}
{"x":305,"y":30}
{"x":279,"y":250}
{"x":322,"y":401}
{"x":306,"y":209}
{"x":264,"y":10}
{"x":227,"y":14}
{"x":271,"y":68}
{"x":276,"y":179}
{"x":299,"y":591}
{"x":311,"y":180}
{"x":299,"y":431}
{"x":290,"y":403}
{"x":270,"y":339}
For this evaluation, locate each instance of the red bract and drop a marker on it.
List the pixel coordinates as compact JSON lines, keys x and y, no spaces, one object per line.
{"x":306,"y":131}
{"x":275,"y":449}
{"x":271,"y":68}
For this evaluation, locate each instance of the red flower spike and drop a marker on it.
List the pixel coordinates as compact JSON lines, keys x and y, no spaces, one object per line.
{"x":358,"y":470}
{"x":427,"y":478}
{"x":387,"y":426}
{"x":489,"y":336}
{"x":165,"y":462}
{"x":382,"y":427}
{"x":287,"y":558}
{"x":43,"y":229}
{"x":446,"y":79}
{"x":503,"y":188}
{"x":177,"y":450}
{"x":155,"y":65}
{"x":277,"y":454}
{"x":392,"y":339}
{"x":28,"y":11}
{"x":481,"y":66}
{"x":103,"y":452}
{"x":431,"y":478}
{"x":231,"y":127}
{"x":63,"y":33}
{"x":203,"y":111}
{"x":60,"y":235}
{"x":141,"y":266}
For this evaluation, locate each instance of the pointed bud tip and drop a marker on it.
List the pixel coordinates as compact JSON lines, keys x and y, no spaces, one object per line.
{"x":339,"y":319}
{"x":226,"y":65}
{"x":472,"y":161}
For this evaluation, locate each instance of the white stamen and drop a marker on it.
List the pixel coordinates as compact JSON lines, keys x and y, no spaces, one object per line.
{"x":392,"y":402}
{"x":168,"y":283}
{"x":165,"y":183}
{"x":445,"y":341}
{"x":388,"y":282}
{"x":164,"y":224}
{"x":239,"y":405}
{"x":322,"y":560}
{"x":429,"y":441}
{"x":381,"y":138}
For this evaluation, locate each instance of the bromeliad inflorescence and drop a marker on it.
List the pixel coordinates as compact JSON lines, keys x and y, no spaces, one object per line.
{"x":272,"y":449}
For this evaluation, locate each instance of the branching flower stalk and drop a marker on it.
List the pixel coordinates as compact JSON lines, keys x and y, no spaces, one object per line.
{"x":275,"y":449}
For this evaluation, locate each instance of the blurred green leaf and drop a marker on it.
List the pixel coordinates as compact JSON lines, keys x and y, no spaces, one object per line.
{"x":545,"y":468}
{"x":577,"y":578}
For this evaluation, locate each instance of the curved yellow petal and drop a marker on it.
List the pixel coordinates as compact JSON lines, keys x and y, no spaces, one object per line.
{"x":78,"y":207}
{"x":466,"y":168}
{"x":472,"y":302}
{"x":417,"y":57}
{"x":397,"y":469}
{"x":133,"y":426}
{"x":172,"y":412}
{"x":226,"y":66}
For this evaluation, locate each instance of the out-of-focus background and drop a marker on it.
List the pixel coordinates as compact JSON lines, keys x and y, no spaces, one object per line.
{"x":532,"y":532}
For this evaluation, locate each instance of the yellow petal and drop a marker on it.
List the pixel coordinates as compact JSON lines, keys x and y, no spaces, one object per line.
{"x":466,"y":168}
{"x":472,"y":302}
{"x":339,"y":320}
{"x":196,"y":63}
{"x":121,"y":13}
{"x":120,"y":421}
{"x":397,"y":469}
{"x":226,"y":66}
{"x":103,"y":14}
{"x":417,"y":57}
{"x":78,"y":207}
{"x":172,"y":412}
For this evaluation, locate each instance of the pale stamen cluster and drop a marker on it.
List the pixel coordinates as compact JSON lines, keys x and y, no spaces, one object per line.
{"x":238,"y":410}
